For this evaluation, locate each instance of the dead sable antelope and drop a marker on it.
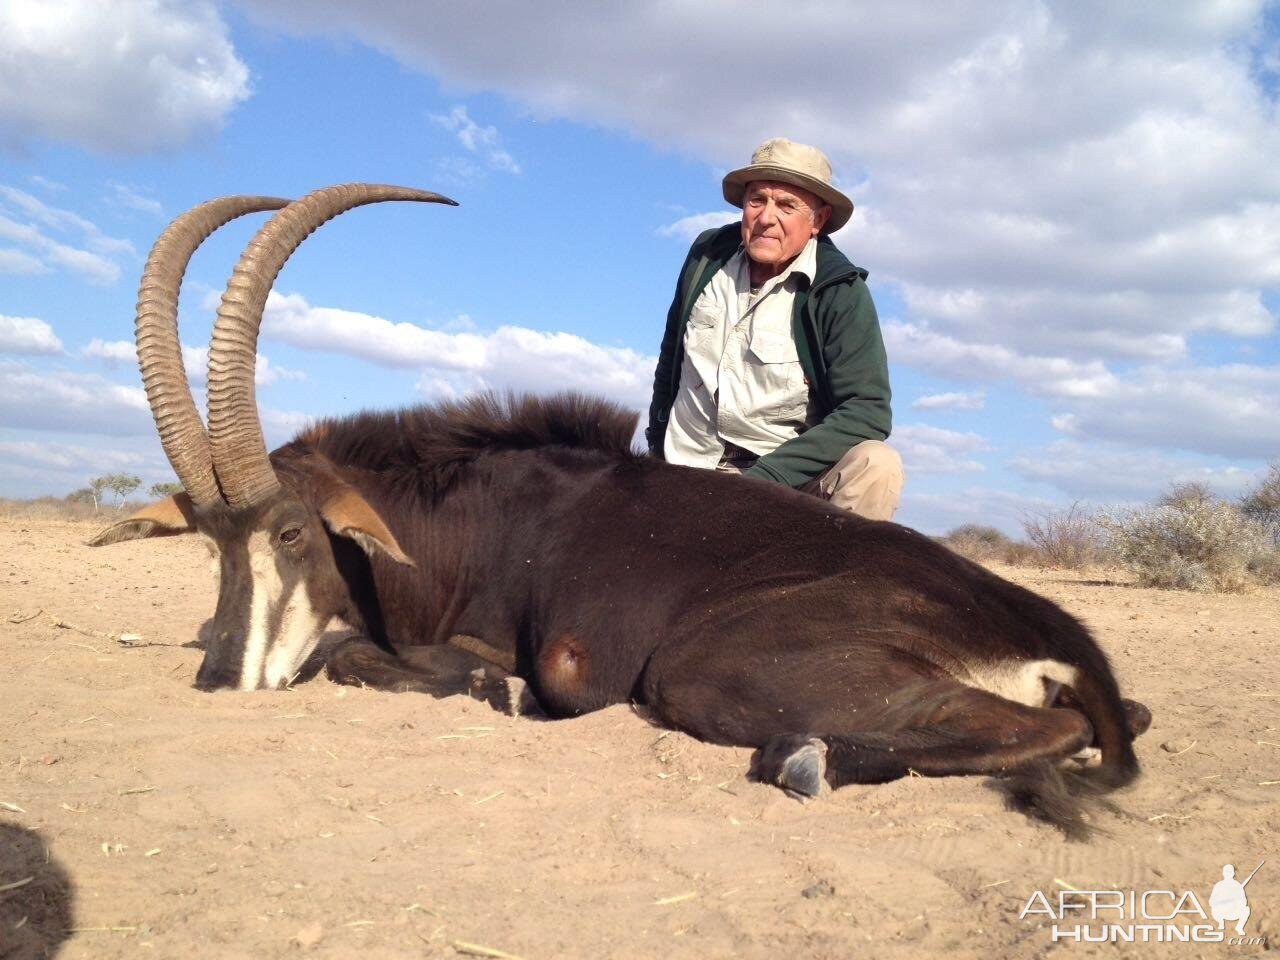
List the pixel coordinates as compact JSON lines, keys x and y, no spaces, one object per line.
{"x":845,"y":650}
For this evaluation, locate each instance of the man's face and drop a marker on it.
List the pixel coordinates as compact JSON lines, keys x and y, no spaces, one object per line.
{"x":778,"y":220}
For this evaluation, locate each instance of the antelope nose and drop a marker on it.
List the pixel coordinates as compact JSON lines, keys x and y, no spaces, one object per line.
{"x":212,"y":677}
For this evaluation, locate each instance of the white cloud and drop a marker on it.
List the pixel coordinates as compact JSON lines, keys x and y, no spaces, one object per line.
{"x":33,"y":468}
{"x":937,"y":513}
{"x":69,"y":402}
{"x":113,"y":351}
{"x":513,"y":358}
{"x":1093,"y":182}
{"x":64,"y":221}
{"x":195,"y":360}
{"x":92,"y":266}
{"x":1126,"y":325}
{"x":951,"y":401}
{"x":130,"y":76}
{"x":69,"y":457}
{"x":62,"y":401}
{"x":126,"y":196}
{"x":1227,"y":411}
{"x":688,"y":228}
{"x":281,"y":426}
{"x":95,"y":261}
{"x":1108,"y":473}
{"x":44,"y":183}
{"x":27,"y":335}
{"x":921,"y":347}
{"x":482,"y":141}
{"x":16,"y":262}
{"x":928,"y":449}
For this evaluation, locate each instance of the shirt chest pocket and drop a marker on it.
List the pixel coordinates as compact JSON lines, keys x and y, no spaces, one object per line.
{"x":705,"y":315}
{"x":778,"y":377}
{"x":703,"y":343}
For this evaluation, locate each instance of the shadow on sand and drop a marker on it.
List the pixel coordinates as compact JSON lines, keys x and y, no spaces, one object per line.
{"x":36,"y":896}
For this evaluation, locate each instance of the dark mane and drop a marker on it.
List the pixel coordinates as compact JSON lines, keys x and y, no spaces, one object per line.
{"x":439,"y":436}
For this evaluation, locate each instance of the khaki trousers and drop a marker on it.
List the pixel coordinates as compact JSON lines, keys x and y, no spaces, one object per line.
{"x":867,"y":480}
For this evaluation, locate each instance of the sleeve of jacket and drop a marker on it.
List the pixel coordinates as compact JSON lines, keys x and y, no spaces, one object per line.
{"x":858,"y":370}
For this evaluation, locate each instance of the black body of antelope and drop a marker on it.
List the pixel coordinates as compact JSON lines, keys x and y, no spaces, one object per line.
{"x":845,"y":650}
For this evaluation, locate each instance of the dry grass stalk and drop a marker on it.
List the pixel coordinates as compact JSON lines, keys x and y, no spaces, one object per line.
{"x":480,"y":950}
{"x":102,"y":930}
{"x":678,"y":898}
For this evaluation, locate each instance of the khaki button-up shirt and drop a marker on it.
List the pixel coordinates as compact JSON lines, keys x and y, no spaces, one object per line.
{"x":741,"y":379}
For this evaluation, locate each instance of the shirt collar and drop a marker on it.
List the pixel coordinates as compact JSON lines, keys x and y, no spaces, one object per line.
{"x":806,"y":262}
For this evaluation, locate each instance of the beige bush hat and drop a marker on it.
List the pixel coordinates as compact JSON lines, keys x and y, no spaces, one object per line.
{"x":795,"y":163}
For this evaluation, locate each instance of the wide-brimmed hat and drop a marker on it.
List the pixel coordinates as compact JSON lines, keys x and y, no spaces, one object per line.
{"x":797,"y":164}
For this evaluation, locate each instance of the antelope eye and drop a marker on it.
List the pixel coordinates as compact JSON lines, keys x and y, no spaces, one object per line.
{"x":290,"y":534}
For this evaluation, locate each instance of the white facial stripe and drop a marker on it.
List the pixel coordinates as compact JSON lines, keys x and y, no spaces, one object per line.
{"x":1029,"y":682}
{"x":267,"y":589}
{"x":300,"y":629}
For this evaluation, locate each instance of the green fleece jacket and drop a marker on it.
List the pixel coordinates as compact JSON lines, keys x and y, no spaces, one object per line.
{"x":838,"y":339}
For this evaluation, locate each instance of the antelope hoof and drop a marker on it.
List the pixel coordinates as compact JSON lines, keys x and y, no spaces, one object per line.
{"x":797,"y":764}
{"x":507,"y":694}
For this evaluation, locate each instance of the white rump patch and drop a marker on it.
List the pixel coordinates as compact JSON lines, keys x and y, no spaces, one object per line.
{"x":1032,"y":683}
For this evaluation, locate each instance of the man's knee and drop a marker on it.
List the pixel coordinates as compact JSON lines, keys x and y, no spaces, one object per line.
{"x":867,"y":480}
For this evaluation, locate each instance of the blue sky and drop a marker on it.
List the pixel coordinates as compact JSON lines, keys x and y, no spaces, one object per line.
{"x":1070,"y":213}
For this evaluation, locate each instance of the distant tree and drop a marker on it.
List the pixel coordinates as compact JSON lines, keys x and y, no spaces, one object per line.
{"x":98,"y":486}
{"x":159,"y":490}
{"x":1188,"y":496}
{"x":122,"y":484}
{"x":1066,"y":538}
{"x":1263,"y":501}
{"x":83,"y":495}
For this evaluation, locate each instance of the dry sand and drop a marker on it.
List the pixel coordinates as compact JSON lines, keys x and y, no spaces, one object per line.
{"x":158,"y":821}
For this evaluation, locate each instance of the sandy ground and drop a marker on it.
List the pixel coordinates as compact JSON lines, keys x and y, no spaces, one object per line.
{"x":331,"y":822}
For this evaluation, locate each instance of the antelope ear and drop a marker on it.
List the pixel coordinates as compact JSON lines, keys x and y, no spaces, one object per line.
{"x":348,"y":514}
{"x":170,"y":516}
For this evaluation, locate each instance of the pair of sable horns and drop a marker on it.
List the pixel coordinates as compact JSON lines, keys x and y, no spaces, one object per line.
{"x":229,"y":463}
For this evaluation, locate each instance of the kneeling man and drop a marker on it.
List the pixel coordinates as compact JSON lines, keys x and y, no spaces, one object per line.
{"x":772,"y":364}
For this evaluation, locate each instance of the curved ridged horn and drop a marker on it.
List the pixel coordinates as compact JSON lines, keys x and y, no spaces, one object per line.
{"x":159,"y":349}
{"x":235,"y":432}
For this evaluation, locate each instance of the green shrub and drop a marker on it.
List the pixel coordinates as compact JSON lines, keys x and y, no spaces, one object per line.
{"x":1189,"y":540}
